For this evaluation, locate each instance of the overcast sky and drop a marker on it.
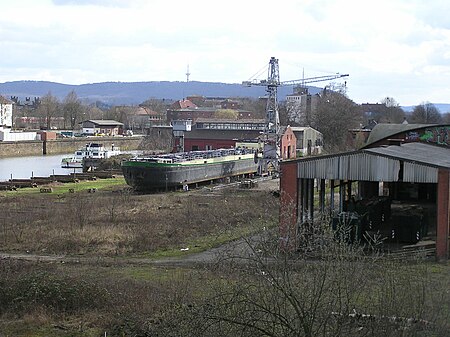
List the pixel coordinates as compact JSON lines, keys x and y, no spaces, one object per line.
{"x":395,"y":48}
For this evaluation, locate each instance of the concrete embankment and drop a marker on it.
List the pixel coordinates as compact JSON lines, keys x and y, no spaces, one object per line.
{"x":67,"y":145}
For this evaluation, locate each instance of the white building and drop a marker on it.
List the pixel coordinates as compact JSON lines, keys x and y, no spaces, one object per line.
{"x":6,"y":135}
{"x":6,"y":122}
{"x":6,"y":107}
{"x":300,"y":106}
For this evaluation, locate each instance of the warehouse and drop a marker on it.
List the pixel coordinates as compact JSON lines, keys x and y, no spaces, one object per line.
{"x":401,"y":191}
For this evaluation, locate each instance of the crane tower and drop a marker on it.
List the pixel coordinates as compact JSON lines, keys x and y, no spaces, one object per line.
{"x":272,"y":130}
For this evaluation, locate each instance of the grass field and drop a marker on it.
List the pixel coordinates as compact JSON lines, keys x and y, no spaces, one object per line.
{"x":115,"y":287}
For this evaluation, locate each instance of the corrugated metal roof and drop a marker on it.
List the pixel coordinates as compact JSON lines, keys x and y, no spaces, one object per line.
{"x":416,"y":173}
{"x":352,"y":166}
{"x":385,"y":130}
{"x":420,"y":164}
{"x":430,"y":155}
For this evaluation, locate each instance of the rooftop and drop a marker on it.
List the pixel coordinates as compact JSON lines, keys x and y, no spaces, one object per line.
{"x":105,"y":122}
{"x":385,"y":130}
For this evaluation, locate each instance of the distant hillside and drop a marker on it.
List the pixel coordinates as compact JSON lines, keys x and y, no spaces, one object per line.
{"x":128,"y":93}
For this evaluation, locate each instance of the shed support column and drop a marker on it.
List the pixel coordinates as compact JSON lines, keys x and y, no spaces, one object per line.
{"x":322,"y":196}
{"x":341,"y":195}
{"x":331,"y":196}
{"x":349,"y":190}
{"x":442,"y":233}
{"x":311,"y":199}
{"x":304,"y":196}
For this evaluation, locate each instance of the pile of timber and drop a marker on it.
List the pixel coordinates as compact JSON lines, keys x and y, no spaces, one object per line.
{"x":13,"y":184}
{"x":23,"y":182}
{"x":6,"y":186}
{"x":94,"y":175}
{"x":42,"y":180}
{"x":83,"y":176}
{"x":61,"y":178}
{"x":421,"y":250}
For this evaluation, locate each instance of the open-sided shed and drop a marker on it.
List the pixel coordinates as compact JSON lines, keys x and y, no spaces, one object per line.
{"x":415,"y":174}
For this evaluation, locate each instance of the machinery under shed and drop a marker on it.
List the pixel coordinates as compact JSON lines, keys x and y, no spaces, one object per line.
{"x":401,"y":192}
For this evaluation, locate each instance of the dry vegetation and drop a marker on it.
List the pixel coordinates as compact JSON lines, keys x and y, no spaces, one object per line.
{"x":265,"y":293}
{"x":121,"y":223}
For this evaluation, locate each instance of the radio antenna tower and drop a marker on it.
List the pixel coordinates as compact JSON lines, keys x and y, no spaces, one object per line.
{"x":187,"y":73}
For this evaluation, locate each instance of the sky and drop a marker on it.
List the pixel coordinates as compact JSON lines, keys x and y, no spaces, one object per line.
{"x":389,"y":48}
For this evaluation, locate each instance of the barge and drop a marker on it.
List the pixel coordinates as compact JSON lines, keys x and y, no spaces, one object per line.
{"x":175,"y":170}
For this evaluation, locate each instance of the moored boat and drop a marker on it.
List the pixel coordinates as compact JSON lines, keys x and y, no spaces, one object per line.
{"x":91,"y":150}
{"x":174,"y":170}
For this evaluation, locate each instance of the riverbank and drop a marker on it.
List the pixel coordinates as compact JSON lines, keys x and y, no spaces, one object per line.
{"x":66,"y":145}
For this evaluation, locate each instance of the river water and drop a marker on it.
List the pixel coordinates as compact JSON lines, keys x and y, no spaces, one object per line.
{"x":37,"y":166}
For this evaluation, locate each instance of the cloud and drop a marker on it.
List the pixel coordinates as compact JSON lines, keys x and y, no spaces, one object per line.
{"x":102,"y":3}
{"x":385,"y":45}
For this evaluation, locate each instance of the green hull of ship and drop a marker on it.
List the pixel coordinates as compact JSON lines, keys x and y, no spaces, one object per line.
{"x":147,"y":176}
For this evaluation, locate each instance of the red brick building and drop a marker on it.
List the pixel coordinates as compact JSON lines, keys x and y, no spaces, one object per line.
{"x":288,"y":144}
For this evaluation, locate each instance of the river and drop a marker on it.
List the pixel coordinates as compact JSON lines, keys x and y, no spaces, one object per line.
{"x":37,"y":166}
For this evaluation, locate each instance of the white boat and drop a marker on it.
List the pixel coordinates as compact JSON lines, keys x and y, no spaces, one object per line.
{"x":91,"y":150}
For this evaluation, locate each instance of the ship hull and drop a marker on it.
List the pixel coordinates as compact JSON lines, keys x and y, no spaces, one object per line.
{"x":150,"y":176}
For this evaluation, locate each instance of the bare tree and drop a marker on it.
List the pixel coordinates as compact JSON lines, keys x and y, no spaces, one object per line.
{"x":392,"y":113}
{"x":387,"y":111}
{"x":93,"y":112}
{"x":331,"y":289}
{"x":257,"y":106}
{"x":72,"y":109}
{"x":334,"y":116}
{"x":158,"y":105}
{"x":446,"y":118}
{"x":48,"y":109}
{"x":426,"y":113}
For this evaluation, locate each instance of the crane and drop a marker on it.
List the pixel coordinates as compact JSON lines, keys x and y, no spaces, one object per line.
{"x":272,"y":134}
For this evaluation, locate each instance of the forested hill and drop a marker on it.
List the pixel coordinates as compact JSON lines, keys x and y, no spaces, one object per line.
{"x":118,"y":93}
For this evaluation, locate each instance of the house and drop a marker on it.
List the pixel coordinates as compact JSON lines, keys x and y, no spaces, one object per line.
{"x":143,"y":118}
{"x":309,"y":140}
{"x":183,"y":104}
{"x":102,"y":127}
{"x":191,"y":112}
{"x":205,"y":107}
{"x":288,"y":144}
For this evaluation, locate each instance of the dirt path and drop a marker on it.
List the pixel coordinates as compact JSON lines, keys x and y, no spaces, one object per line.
{"x":238,"y":249}
{"x":233,"y":250}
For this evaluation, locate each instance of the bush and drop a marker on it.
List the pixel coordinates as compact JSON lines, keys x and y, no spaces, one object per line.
{"x":23,"y":292}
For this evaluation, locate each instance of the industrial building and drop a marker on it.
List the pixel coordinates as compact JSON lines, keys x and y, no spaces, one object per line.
{"x":398,"y":185}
